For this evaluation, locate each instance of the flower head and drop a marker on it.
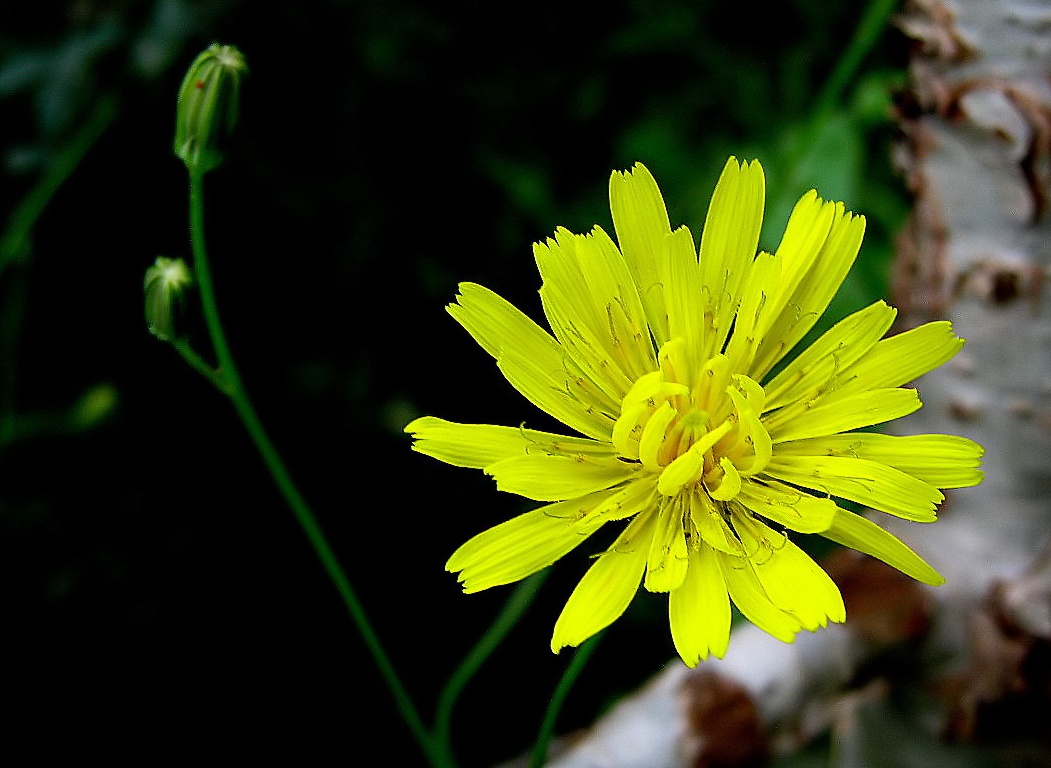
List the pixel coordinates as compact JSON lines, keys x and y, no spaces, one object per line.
{"x":697,"y":435}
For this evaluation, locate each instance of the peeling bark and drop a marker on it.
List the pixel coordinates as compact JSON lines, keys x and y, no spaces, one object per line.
{"x":976,"y":153}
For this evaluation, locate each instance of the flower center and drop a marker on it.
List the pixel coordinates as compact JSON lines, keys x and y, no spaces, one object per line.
{"x":694,"y":428}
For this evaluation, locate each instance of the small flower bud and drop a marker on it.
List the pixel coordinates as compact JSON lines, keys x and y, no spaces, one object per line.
{"x":166,"y":284}
{"x":207,"y":110}
{"x":94,"y":406}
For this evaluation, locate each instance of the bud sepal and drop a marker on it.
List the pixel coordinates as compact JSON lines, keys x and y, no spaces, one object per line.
{"x":208,"y":102}
{"x":166,"y":285}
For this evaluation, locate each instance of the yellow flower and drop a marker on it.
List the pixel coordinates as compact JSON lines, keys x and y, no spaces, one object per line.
{"x":667,"y":364}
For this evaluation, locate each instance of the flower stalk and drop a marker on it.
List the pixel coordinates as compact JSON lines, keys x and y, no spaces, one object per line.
{"x":206,"y":115}
{"x":228,"y":380}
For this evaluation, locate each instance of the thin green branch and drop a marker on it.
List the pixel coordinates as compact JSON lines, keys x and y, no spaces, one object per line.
{"x":867,"y":35}
{"x":203,"y":272}
{"x":228,"y":374}
{"x":512,"y":611}
{"x":870,"y":29}
{"x":196,"y":362}
{"x":547,"y":728}
{"x":14,"y":243}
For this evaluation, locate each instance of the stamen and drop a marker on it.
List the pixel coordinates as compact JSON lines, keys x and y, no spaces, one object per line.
{"x":729,"y":481}
{"x":653,"y":436}
{"x":687,"y":468}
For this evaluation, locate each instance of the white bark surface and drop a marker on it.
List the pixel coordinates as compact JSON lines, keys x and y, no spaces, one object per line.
{"x":980,"y":243}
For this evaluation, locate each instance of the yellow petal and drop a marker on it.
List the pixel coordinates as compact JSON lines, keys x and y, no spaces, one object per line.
{"x":554,"y":478}
{"x":787,"y":506}
{"x":479,"y":445}
{"x":763,"y":284}
{"x":862,"y":534}
{"x":865,"y":482}
{"x":607,"y":588}
{"x":834,"y":414}
{"x":944,"y":461}
{"x":699,"y":610}
{"x":683,"y":288}
{"x":800,"y":248}
{"x":593,"y":306}
{"x":822,"y":366}
{"x":711,"y":525}
{"x":667,"y":561}
{"x":905,"y":357}
{"x":816,"y":279}
{"x":728,"y":245}
{"x":641,"y":222}
{"x":497,"y":325}
{"x":749,"y":596}
{"x":791,"y":580}
{"x":522,"y":545}
{"x":626,"y":501}
{"x":531,"y":360}
{"x":561,"y":391}
{"x":602,"y":376}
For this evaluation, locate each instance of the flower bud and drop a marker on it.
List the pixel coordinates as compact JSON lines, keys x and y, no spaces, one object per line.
{"x":94,"y":406}
{"x":207,"y":110}
{"x":166,"y":284}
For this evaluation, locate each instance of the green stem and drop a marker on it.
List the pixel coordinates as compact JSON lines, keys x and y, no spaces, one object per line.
{"x":513,"y":609}
{"x":867,"y":34}
{"x":869,"y":30}
{"x":196,"y":362}
{"x":229,"y":375}
{"x":547,"y":728}
{"x":14,"y":243}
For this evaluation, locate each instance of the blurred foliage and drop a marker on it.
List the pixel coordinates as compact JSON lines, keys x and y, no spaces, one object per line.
{"x":385,"y":151}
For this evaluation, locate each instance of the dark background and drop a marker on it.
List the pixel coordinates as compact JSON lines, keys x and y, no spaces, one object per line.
{"x":155,"y":590}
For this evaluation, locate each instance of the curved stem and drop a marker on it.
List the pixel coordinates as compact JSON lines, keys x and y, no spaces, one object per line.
{"x":203,"y":272}
{"x":228,"y":379}
{"x":547,"y":728}
{"x":870,"y":29}
{"x":15,"y":240}
{"x":513,"y":609}
{"x":195,"y":361}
